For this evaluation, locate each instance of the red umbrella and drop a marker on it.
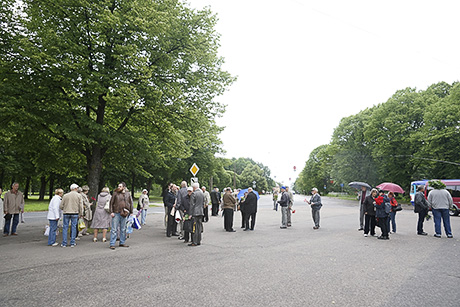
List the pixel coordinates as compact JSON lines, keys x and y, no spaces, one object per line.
{"x":390,"y":187}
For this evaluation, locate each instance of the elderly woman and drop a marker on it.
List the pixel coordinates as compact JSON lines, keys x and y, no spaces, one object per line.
{"x":102,"y":219}
{"x":53,"y":216}
{"x":369,"y":213}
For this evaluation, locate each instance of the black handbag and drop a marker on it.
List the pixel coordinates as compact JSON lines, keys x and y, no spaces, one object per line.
{"x":188,"y":226}
{"x":8,"y":216}
{"x":397,"y":208}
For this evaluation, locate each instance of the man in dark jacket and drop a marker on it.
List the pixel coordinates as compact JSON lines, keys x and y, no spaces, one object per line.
{"x":284,"y":202}
{"x":315,"y":203}
{"x":170,"y":202}
{"x":250,"y":209}
{"x":215,"y":201}
{"x":421,"y":207}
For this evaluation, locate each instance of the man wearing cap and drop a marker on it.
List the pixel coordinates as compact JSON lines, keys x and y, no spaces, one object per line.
{"x":315,"y":203}
{"x":72,"y":207}
{"x":144,"y":204}
{"x":228,"y":206}
{"x":284,"y":203}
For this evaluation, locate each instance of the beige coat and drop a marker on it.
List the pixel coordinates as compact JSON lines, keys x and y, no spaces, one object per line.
{"x":88,"y":214}
{"x":72,"y":203}
{"x":13,"y":203}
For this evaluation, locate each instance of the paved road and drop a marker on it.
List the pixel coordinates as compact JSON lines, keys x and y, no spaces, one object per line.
{"x":299,"y":266}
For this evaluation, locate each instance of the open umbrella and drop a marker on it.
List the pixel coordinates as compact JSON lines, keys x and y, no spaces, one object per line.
{"x":358,"y":185}
{"x":390,"y":187}
{"x":241,"y":193}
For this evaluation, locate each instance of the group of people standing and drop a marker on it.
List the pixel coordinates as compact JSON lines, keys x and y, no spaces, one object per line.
{"x":186,"y":205}
{"x":110,"y":211}
{"x":379,"y":209}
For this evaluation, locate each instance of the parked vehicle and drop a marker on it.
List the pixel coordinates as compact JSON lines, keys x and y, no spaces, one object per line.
{"x":452,"y":185}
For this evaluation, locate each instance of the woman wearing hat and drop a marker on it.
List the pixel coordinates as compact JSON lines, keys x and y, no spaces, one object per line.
{"x":144,"y":205}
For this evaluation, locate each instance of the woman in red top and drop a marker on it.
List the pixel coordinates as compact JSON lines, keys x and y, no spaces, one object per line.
{"x":394,"y":203}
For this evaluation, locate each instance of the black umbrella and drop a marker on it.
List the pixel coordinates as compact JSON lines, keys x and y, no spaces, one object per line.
{"x":358,"y":185}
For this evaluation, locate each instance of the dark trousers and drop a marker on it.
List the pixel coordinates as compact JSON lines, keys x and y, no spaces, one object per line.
{"x":383,"y":223}
{"x":186,"y":236}
{"x":15,"y":218}
{"x":243,"y":219}
{"x":228,"y":219}
{"x":251,"y":216}
{"x":369,"y":224}
{"x":421,"y":218}
{"x":171,"y":224}
{"x":215,"y":209}
{"x":315,"y":216}
{"x":198,"y":228}
{"x":206,"y":214}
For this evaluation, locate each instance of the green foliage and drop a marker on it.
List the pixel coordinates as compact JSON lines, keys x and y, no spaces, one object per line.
{"x":436,"y":184}
{"x":110,"y":90}
{"x":413,"y":135}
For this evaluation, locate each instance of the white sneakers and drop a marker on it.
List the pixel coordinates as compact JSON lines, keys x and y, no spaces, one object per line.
{"x":365,"y":234}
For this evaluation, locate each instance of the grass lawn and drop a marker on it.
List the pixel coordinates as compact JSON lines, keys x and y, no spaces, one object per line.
{"x":33,"y":204}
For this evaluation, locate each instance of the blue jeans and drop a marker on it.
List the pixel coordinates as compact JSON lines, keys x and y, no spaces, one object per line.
{"x":6,"y":229}
{"x":53,"y":229}
{"x":73,"y":218}
{"x":118,"y":220}
{"x":392,"y":220}
{"x":444,"y":214}
{"x":143,"y":216}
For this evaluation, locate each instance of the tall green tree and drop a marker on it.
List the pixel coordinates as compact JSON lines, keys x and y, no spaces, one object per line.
{"x":118,"y":82}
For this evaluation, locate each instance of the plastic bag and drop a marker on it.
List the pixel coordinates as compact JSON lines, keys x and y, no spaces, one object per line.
{"x":178,"y":216}
{"x":47,"y":230}
{"x":129,"y":224}
{"x":81,"y":224}
{"x":136,"y":223}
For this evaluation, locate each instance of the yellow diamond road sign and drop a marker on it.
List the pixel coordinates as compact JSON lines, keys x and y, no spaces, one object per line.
{"x":194,"y":169}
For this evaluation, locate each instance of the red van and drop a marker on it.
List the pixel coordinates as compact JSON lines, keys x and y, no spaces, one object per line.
{"x":453,"y":186}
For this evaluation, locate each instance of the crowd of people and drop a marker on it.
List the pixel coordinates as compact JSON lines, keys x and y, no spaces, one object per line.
{"x":379,"y":209}
{"x":186,"y":209}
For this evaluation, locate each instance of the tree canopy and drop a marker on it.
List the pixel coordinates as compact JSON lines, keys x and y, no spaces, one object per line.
{"x":414,"y":135}
{"x":108,"y":89}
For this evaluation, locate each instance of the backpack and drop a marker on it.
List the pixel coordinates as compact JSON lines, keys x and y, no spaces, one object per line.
{"x":387,"y":207}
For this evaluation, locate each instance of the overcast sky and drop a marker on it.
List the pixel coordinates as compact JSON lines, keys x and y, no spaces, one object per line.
{"x":304,"y":65}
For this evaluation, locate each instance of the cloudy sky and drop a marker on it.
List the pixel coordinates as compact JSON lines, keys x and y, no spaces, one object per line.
{"x":303,"y":65}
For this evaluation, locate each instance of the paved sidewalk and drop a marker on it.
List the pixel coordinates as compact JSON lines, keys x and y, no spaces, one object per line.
{"x":298,"y":266}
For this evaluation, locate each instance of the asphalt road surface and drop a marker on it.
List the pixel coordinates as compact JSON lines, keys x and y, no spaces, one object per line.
{"x":298,"y":266}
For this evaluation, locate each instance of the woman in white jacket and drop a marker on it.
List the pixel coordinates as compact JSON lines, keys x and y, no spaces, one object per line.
{"x":53,"y":216}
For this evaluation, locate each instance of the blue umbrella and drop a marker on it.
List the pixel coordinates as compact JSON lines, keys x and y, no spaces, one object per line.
{"x":241,"y":193}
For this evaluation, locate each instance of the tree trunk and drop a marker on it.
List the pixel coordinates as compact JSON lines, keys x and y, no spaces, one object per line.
{"x":27,"y":188}
{"x":41,"y":195}
{"x":149,"y":185}
{"x":51,"y":187}
{"x":133,"y":178}
{"x":2,"y":175}
{"x":94,"y":160}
